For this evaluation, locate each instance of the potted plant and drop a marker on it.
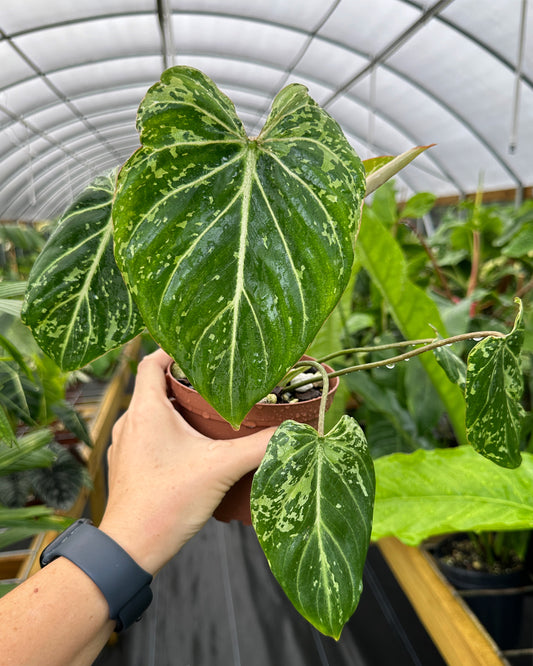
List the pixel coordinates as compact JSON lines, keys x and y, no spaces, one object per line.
{"x":233,"y":251}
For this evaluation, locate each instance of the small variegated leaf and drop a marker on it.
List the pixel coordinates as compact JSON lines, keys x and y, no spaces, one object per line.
{"x":236,"y":249}
{"x":453,"y":366}
{"x":77,"y":304}
{"x":312,"y":501}
{"x":494,"y":386}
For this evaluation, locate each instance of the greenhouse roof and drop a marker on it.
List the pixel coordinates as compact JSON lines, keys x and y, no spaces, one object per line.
{"x":394,"y":73}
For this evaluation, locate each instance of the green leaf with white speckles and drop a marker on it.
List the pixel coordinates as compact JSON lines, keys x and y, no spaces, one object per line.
{"x":453,"y":365}
{"x":77,"y":304}
{"x":494,"y":386}
{"x":235,"y":249}
{"x":312,"y":501}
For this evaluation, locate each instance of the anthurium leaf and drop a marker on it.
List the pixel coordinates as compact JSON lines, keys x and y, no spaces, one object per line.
{"x":77,"y":305}
{"x":235,"y":249}
{"x":453,"y":366}
{"x":425,"y":493}
{"x":380,"y":172}
{"x":494,"y":386}
{"x":311,"y":504}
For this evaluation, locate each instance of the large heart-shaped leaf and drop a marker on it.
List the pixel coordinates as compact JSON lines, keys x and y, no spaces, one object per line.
{"x":493,"y":392}
{"x":425,"y":493}
{"x":312,"y":500}
{"x":77,"y":304}
{"x":235,"y":249}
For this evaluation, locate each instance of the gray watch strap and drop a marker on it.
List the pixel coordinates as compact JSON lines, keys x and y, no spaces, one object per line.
{"x":124,"y":584}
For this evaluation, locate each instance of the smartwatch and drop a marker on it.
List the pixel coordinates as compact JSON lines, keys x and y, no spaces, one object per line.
{"x":124,"y":584}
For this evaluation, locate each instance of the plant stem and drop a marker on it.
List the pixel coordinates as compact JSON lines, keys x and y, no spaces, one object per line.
{"x":476,"y":253}
{"x":434,"y":344}
{"x":429,"y":251}
{"x":390,"y":345}
{"x":325,"y":391}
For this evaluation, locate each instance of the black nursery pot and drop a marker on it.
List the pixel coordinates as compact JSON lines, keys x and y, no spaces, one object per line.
{"x":500,"y":612}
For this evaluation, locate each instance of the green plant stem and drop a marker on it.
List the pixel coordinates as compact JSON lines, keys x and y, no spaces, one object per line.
{"x":434,"y":344}
{"x":325,"y":391}
{"x":390,"y":345}
{"x":434,"y":263}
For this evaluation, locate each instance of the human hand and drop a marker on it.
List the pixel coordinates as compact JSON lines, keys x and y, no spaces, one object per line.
{"x":165,"y":478}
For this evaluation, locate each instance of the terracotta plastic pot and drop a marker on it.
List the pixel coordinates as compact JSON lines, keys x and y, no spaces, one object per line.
{"x":200,"y":414}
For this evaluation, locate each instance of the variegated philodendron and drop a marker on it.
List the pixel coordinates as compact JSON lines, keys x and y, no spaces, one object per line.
{"x":232,"y":251}
{"x":312,"y":501}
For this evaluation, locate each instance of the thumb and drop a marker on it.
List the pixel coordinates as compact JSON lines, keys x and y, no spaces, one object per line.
{"x":247,"y":452}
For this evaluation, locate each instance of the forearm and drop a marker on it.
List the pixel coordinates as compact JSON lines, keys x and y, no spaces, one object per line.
{"x":57,"y":617}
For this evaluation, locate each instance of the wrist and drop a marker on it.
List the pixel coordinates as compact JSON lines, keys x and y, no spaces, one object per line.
{"x":124,"y":584}
{"x":127,"y":540}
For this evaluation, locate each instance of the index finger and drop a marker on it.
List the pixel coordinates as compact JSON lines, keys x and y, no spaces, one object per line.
{"x":151,"y":375}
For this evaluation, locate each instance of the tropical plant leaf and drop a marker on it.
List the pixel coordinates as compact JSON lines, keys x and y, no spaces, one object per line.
{"x":311,"y":504}
{"x":9,"y":289}
{"x":6,"y":587}
{"x":30,"y":451}
{"x":72,"y":420}
{"x":373,"y":164}
{"x":77,"y":305}
{"x":15,"y":489}
{"x":453,"y":365}
{"x":24,"y":522}
{"x":412,"y":309}
{"x":10,"y":307}
{"x":7,"y":436}
{"x":59,"y":484}
{"x":235,"y":249}
{"x":382,"y":171}
{"x":15,"y":354}
{"x":418,"y":205}
{"x":18,"y":393}
{"x":494,"y":386}
{"x":425,"y":493}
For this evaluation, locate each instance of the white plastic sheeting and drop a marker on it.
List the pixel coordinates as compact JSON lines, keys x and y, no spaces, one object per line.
{"x":394,"y":73}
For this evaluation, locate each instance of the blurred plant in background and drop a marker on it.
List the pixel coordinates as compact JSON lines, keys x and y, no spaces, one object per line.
{"x":417,"y":276}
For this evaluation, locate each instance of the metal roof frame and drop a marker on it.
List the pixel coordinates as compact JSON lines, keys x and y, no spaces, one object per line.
{"x":165,"y":14}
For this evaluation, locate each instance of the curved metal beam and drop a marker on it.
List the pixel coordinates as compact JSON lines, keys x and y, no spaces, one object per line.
{"x":439,"y":101}
{"x":386,"y":118}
